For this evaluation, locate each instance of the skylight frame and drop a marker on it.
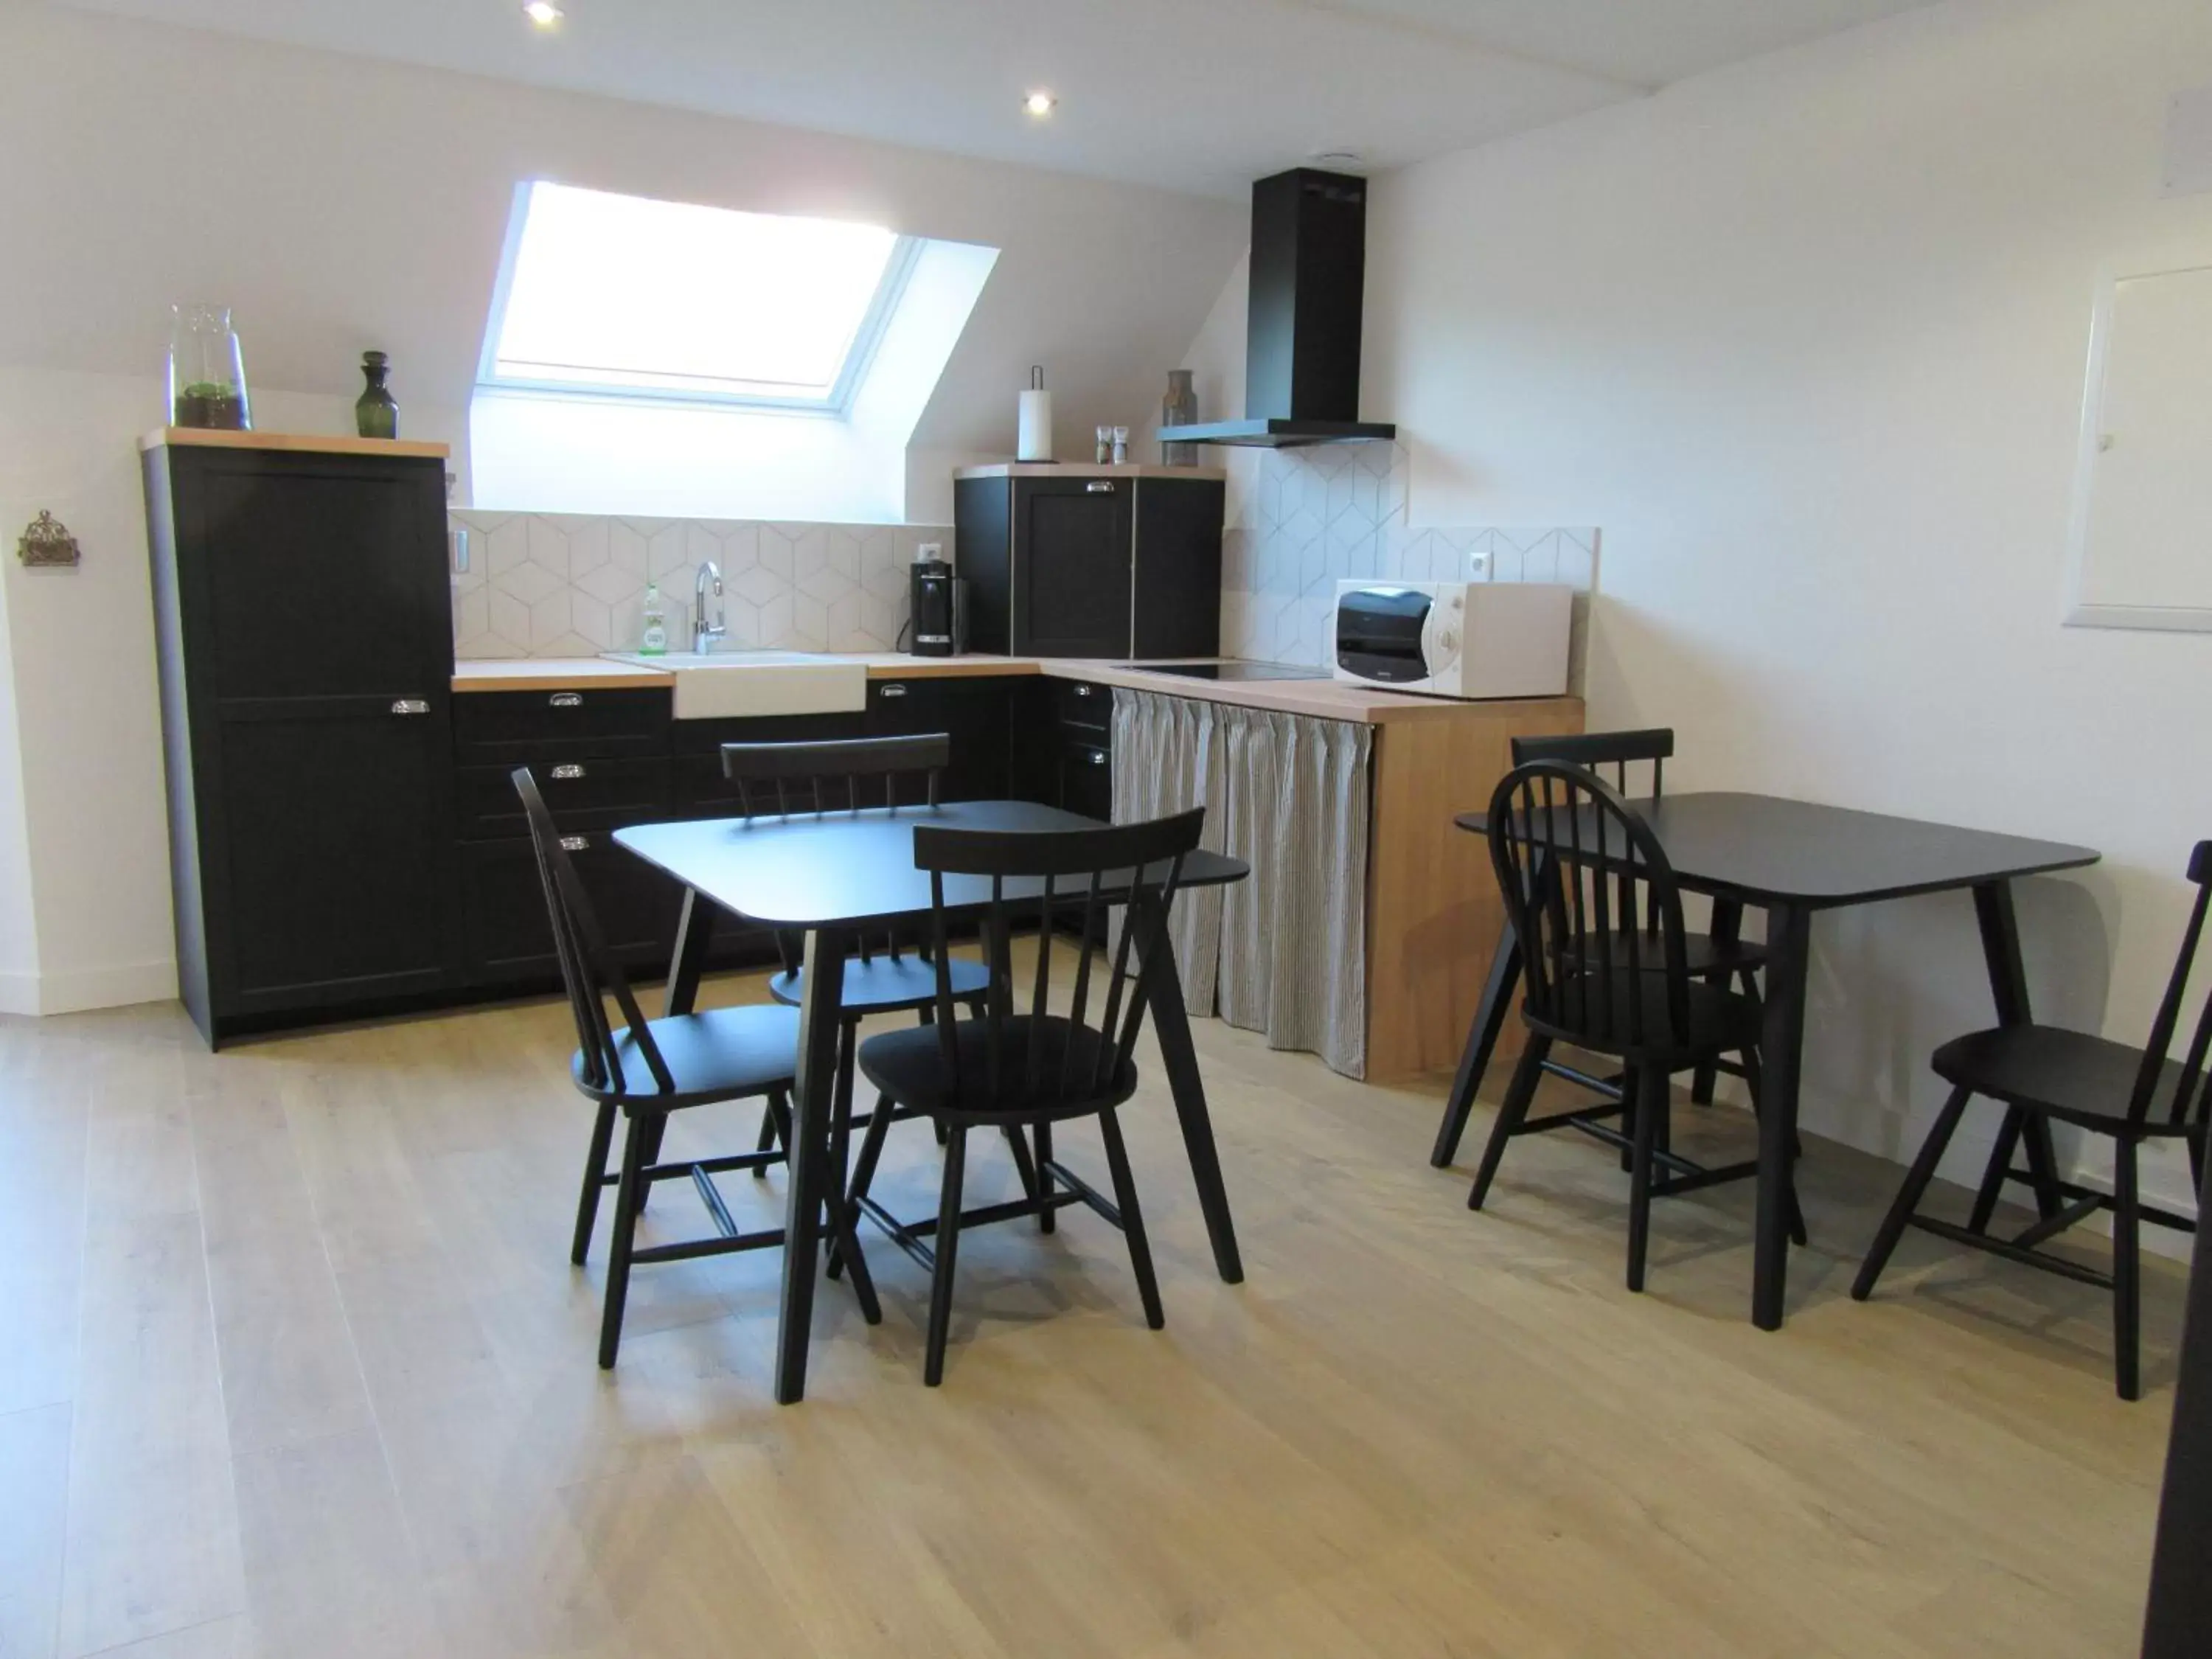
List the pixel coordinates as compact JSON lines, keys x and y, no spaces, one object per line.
{"x":875,"y":321}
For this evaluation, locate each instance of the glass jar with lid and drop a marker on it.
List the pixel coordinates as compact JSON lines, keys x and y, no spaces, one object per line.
{"x":207,"y":372}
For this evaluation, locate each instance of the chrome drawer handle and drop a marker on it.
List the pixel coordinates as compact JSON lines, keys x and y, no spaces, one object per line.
{"x":894,"y":691}
{"x":1099,"y":758}
{"x":1100,"y":486}
{"x":566,"y":774}
{"x":566,"y":700}
{"x":1082,"y":690}
{"x":575,"y":843}
{"x":410,"y":705}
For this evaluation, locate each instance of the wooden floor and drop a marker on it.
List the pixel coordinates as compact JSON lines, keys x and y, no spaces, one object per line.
{"x":292,"y":1363}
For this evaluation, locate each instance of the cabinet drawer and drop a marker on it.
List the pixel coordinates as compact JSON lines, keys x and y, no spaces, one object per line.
{"x":582,"y":794}
{"x":510,"y":937}
{"x":1086,"y":780}
{"x":496,"y":727}
{"x":1082,"y":704}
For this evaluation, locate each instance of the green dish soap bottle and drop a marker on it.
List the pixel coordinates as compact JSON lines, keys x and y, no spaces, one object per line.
{"x":653,"y":640}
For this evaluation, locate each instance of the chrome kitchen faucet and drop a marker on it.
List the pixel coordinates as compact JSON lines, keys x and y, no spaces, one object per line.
{"x":702,"y":637}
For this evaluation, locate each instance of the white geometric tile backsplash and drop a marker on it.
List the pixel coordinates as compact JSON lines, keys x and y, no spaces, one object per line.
{"x":1303,"y":519}
{"x":573,"y":585}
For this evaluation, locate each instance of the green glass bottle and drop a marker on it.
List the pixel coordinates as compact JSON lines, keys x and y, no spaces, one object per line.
{"x":375,"y":414}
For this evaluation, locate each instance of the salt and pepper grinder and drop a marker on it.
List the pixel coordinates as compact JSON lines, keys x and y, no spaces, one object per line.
{"x":1121,"y":446}
{"x":1105,"y":445}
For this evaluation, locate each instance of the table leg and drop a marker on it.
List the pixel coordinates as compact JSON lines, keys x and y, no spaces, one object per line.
{"x":693,"y":929}
{"x":2000,"y":928}
{"x":1490,"y":1013}
{"x":819,"y":1019}
{"x":1781,"y":1054}
{"x":1726,"y":927}
{"x":1171,"y":1026}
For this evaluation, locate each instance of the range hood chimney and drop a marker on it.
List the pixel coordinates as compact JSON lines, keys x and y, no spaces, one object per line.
{"x":1302,"y":335}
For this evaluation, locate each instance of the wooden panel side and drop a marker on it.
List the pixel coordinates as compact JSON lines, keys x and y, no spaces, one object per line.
{"x":1433,"y":913}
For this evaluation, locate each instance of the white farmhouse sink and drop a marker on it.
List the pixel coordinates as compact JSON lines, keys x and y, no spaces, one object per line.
{"x":735,"y":685}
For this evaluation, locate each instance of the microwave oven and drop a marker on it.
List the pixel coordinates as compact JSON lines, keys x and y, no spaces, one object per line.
{"x":1454,"y":638}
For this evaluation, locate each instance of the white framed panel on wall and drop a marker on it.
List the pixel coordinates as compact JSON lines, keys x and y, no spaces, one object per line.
{"x":2140,"y":552}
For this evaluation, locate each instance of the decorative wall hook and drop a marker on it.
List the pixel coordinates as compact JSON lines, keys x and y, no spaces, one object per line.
{"x":47,"y":542}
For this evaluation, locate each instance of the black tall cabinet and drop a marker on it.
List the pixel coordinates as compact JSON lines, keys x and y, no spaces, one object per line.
{"x":1090,"y":561}
{"x":304,"y":639}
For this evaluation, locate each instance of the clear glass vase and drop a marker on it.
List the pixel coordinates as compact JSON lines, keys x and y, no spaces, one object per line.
{"x":207,"y":372}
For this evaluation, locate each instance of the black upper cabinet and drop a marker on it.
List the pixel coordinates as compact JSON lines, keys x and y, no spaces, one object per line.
{"x":302,"y":620}
{"x":1091,"y":563}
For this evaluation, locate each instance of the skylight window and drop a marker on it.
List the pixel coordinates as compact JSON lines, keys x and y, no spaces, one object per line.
{"x":623,"y":295}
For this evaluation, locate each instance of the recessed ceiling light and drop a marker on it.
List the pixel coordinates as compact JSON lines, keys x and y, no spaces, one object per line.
{"x":1040,"y":104}
{"x":543,"y":13}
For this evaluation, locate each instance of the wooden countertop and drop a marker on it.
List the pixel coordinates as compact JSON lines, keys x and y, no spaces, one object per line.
{"x":193,"y":437}
{"x":1327,"y":700}
{"x":1086,"y":470}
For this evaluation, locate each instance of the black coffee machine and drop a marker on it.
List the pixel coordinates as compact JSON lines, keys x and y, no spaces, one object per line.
{"x":939,"y":610}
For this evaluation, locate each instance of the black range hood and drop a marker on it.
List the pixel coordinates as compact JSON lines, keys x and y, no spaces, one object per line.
{"x":1302,"y":334}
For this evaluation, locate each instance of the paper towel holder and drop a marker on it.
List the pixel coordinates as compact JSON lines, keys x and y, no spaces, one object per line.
{"x":1033,"y":426}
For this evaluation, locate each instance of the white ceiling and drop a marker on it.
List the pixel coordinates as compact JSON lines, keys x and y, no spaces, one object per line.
{"x":1201,"y":95}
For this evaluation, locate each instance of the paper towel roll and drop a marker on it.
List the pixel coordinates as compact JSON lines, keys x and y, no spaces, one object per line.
{"x":1033,"y":439}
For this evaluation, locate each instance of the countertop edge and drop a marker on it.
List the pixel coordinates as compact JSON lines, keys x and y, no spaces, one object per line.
{"x":1316,"y":699}
{"x":189,"y":437}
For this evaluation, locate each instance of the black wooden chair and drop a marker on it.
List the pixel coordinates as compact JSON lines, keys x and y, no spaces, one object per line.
{"x":1720,"y":957}
{"x":1015,"y":1071}
{"x":644,"y":1070}
{"x":2106,"y":1088}
{"x":891,"y":975}
{"x":1595,"y":903}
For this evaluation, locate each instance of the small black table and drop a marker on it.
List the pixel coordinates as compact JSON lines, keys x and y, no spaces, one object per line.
{"x":829,"y":877}
{"x":1790,"y":859}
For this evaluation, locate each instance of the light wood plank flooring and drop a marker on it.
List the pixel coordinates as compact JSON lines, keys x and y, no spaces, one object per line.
{"x":292,"y":1363}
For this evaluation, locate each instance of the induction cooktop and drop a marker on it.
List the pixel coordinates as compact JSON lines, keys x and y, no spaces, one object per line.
{"x":1233,"y":670}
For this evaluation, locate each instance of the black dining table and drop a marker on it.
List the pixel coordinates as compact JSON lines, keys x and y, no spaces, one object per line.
{"x":1792,"y":859}
{"x":828,"y":876}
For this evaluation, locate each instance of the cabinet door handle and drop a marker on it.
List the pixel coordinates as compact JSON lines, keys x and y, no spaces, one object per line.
{"x":1099,"y":758}
{"x":1082,"y":690}
{"x":566,"y":700}
{"x":568,"y":773}
{"x":575,"y":843}
{"x":893,"y":691}
{"x":410,"y":705}
{"x":1100,"y":486}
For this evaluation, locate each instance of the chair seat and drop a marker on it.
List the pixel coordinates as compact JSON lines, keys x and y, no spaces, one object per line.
{"x":724,"y":1054}
{"x":1702,"y":952}
{"x":889,"y":985}
{"x":908,"y":1065}
{"x":1720,"y":1022}
{"x":2070,"y":1075}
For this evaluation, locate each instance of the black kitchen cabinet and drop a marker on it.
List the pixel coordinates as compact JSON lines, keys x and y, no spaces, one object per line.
{"x":304,"y":642}
{"x":977,"y":713}
{"x":510,"y":937}
{"x":1108,"y":562}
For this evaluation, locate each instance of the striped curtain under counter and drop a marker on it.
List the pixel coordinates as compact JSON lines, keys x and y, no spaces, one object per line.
{"x":1284,"y":952}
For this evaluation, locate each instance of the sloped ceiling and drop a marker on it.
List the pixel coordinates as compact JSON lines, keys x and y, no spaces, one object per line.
{"x":338,"y":203}
{"x":1192,"y":94}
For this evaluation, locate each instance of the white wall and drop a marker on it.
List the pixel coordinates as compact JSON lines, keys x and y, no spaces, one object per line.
{"x":1806,"y":337}
{"x":339,"y":204}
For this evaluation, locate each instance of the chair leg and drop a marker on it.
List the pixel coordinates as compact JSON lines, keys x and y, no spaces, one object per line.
{"x":1133,"y":1220}
{"x":947,"y":1246}
{"x":1993,"y":1178}
{"x":1909,"y":1195}
{"x":1648,"y":1087}
{"x":1047,"y":1220}
{"x":863,"y":1172}
{"x":768,"y":1140}
{"x":2195,"y":1140}
{"x":1511,"y":1115}
{"x":2127,"y":1303}
{"x":627,"y":1194}
{"x":595,"y":1169}
{"x":1024,"y":1170}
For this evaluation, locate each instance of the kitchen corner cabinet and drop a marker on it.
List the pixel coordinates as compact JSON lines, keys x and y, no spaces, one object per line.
{"x":1090,"y":561}
{"x":304,"y":645}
